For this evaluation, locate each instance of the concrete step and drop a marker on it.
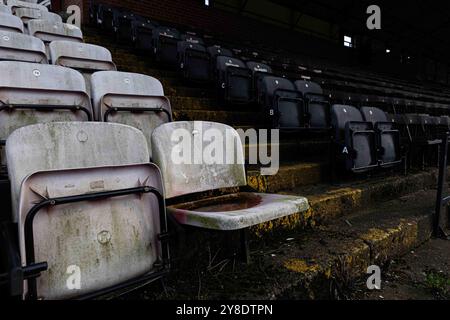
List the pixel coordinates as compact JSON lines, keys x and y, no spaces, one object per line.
{"x":315,"y":264}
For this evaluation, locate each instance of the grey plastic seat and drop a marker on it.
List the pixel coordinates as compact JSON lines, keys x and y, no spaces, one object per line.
{"x":36,"y":93}
{"x":130,"y":98}
{"x":21,"y":47}
{"x":27,"y":14}
{"x":15,"y":4}
{"x":85,"y":196}
{"x":49,"y":31}
{"x":5,"y":8}
{"x":232,"y":212}
{"x":10,"y":23}
{"x":86,"y":58}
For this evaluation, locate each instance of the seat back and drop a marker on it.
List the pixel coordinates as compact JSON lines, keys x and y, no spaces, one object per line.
{"x":106,"y":17}
{"x":49,"y":31}
{"x":215,"y":51}
{"x":354,"y":135}
{"x":16,"y":4}
{"x":10,"y":23}
{"x":317,"y":103}
{"x":27,"y":14}
{"x":165,"y":44}
{"x":191,"y":140}
{"x":124,"y":26}
{"x":20,"y":47}
{"x":259,"y":71}
{"x":192,"y":39}
{"x":37,"y":93}
{"x":143,"y":33}
{"x":283,"y":101}
{"x":194,"y":61}
{"x":130,"y":98}
{"x":388,"y":137}
{"x":111,"y":240}
{"x":84,"y":57}
{"x":234,"y":79}
{"x":5,"y":9}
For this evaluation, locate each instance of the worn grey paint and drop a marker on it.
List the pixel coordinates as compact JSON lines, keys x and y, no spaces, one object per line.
{"x":49,"y":31}
{"x":14,"y":4}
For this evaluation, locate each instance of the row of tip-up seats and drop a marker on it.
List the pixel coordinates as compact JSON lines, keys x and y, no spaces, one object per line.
{"x":363,"y":141}
{"x":88,"y":169}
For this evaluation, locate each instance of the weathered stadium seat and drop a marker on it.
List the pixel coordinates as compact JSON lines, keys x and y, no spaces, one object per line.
{"x":35,"y":93}
{"x":10,"y":23}
{"x":214,"y":52}
{"x":194,"y":61}
{"x":234,"y":80}
{"x":388,"y":137}
{"x":49,"y":31}
{"x":21,"y":47}
{"x":86,"y":58}
{"x":85,"y":197}
{"x":130,"y":98}
{"x":165,"y":46}
{"x":236,"y":211}
{"x":354,"y":138}
{"x":283,"y":104}
{"x":5,"y":9}
{"x":317,"y":104}
{"x":143,"y":33}
{"x":27,"y":14}
{"x":15,"y":4}
{"x":259,"y":71}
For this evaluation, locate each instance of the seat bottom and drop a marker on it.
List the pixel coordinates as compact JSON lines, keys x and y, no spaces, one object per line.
{"x":237,"y":211}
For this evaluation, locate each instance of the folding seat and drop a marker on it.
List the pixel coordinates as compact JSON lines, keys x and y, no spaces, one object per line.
{"x":234,"y":80}
{"x":143,"y":33}
{"x":259,"y":71}
{"x":194,"y":61}
{"x":165,"y":45}
{"x":214,"y":52}
{"x":130,"y":98}
{"x":10,"y":23}
{"x":21,"y":47}
{"x":36,"y":93}
{"x":27,"y":14}
{"x":86,"y":58}
{"x":283,"y":103}
{"x":16,"y":4}
{"x":5,"y":9}
{"x":317,"y":104}
{"x":388,"y":136}
{"x":123,"y":21}
{"x":236,"y":211}
{"x":355,"y":140}
{"x":49,"y":31}
{"x":106,"y":17}
{"x":87,"y":200}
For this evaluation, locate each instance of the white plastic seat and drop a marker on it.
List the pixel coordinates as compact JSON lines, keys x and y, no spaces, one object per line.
{"x":10,"y":23}
{"x":49,"y":31}
{"x":111,"y":231}
{"x":231,"y":212}
{"x":5,"y":8}
{"x":21,"y":47}
{"x":130,"y":98}
{"x":36,"y":93}
{"x":15,"y":4}
{"x":81,"y":56}
{"x":27,"y":14}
